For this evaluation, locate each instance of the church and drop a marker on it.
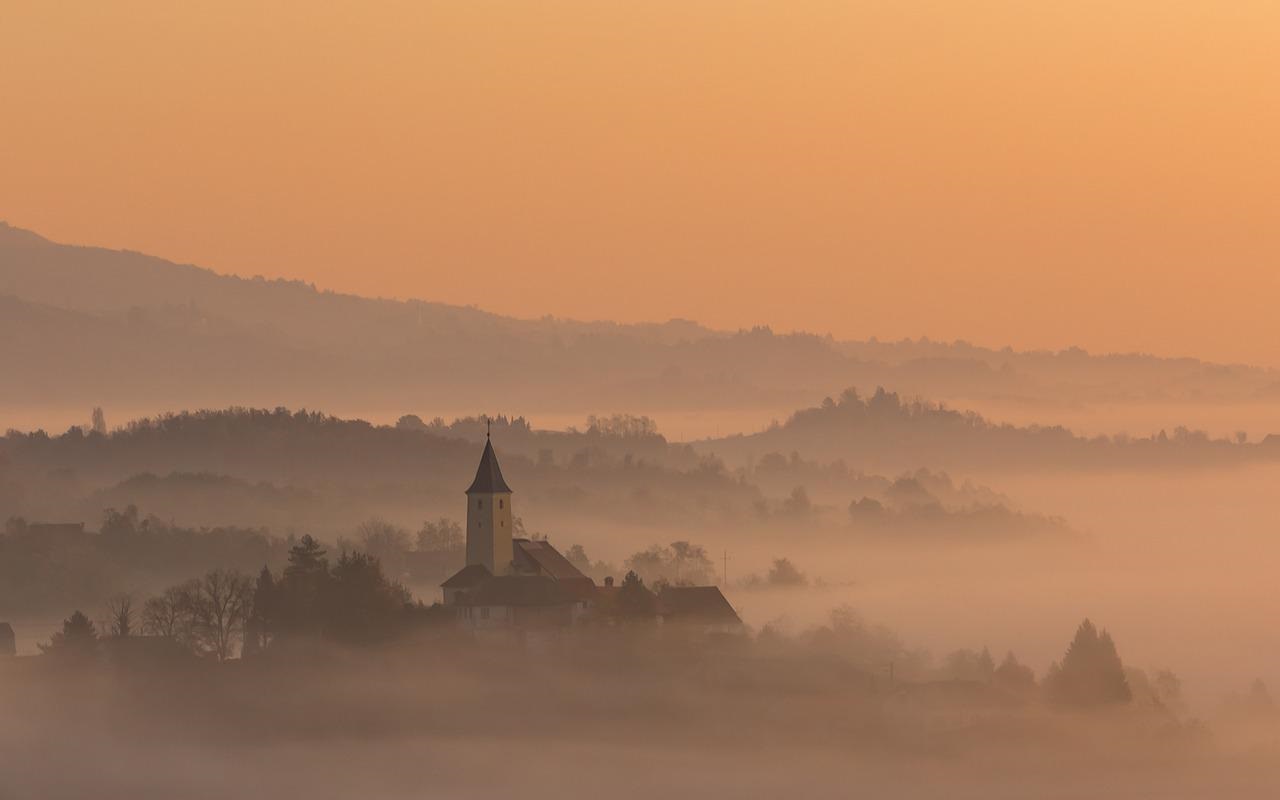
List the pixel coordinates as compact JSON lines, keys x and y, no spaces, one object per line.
{"x":523,"y":584}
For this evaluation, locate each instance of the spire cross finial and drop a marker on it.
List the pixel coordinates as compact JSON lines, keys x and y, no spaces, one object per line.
{"x":488,"y":424}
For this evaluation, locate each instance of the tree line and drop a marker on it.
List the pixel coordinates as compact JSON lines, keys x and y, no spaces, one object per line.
{"x":226,"y":613}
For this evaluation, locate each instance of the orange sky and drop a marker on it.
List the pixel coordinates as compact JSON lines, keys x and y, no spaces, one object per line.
{"x":1039,"y":174}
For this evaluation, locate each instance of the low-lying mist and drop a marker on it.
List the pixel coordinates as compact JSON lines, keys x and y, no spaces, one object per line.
{"x":627,"y":713}
{"x":941,"y":573}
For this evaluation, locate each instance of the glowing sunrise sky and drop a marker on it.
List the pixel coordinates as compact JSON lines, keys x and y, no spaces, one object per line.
{"x":1038,"y":174}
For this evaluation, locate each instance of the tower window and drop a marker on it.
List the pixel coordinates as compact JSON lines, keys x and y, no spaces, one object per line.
{"x":499,"y":504}
{"x":479,"y":504}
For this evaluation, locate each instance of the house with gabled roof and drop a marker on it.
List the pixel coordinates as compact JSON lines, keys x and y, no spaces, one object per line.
{"x":465,"y":579}
{"x":700,"y":608}
{"x":524,"y":602}
{"x":538,"y":557}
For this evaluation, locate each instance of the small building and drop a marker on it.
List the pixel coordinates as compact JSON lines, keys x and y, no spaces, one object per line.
{"x":702,"y":609}
{"x":463,"y":581}
{"x":8,"y":642}
{"x":524,"y":602}
{"x":538,"y":557}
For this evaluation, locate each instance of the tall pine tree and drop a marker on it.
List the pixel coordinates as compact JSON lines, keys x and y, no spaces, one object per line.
{"x":1091,"y":673}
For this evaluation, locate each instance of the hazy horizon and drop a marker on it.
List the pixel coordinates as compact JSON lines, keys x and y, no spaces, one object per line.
{"x":1092,"y":176}
{"x":537,"y":314}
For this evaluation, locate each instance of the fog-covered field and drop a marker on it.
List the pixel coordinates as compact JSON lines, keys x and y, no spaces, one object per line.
{"x":618,"y":716}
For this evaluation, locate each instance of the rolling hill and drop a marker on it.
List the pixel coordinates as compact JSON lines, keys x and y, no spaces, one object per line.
{"x":84,"y":326}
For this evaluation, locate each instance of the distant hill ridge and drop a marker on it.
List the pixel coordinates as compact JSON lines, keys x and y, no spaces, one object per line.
{"x":102,"y":281}
{"x":86,"y":325}
{"x":886,"y":432}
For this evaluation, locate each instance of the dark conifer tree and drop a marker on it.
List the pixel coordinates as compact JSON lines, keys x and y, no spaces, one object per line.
{"x":298,"y":597}
{"x":258,"y":627}
{"x":77,"y":639}
{"x":1091,"y":673}
{"x":361,"y":604}
{"x":986,"y":666}
{"x":307,"y":556}
{"x":634,"y":600}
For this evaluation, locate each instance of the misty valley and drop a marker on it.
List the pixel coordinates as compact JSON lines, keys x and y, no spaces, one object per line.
{"x":664,"y":399}
{"x":781,"y":564}
{"x":227,"y":591}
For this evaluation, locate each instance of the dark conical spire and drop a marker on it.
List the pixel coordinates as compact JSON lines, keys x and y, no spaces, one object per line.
{"x":489,"y":475}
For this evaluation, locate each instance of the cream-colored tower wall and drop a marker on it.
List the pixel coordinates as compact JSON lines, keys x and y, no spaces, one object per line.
{"x":489,"y":531}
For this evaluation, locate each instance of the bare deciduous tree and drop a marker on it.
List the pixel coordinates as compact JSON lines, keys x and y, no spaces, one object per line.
{"x":206,"y":614}
{"x":219,"y":604}
{"x":386,"y":542}
{"x":442,"y":536}
{"x":168,"y":614}
{"x":119,"y":616}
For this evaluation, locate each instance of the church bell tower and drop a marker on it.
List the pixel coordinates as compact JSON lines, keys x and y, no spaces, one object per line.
{"x":489,"y":516}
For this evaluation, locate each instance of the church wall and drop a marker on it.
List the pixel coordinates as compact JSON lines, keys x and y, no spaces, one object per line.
{"x":489,"y":531}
